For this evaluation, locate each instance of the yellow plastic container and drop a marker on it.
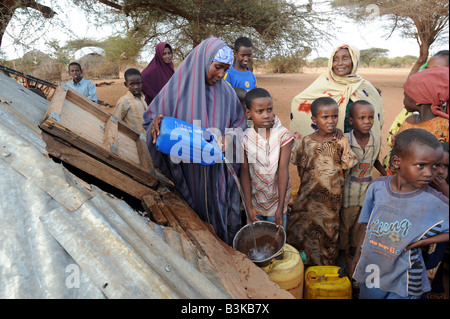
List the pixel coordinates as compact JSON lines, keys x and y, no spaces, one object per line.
{"x":287,"y":271}
{"x":294,"y":195}
{"x":323,"y":282}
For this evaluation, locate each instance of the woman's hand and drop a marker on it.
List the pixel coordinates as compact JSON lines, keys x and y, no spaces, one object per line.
{"x":155,"y":127}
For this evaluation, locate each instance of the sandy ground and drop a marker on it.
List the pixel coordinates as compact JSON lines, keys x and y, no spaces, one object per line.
{"x":283,"y":88}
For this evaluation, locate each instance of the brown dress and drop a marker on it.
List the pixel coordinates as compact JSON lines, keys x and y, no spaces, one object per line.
{"x":313,"y":225}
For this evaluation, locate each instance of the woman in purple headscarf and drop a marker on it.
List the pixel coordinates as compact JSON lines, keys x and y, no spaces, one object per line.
{"x":158,"y":71}
{"x":196,"y":92}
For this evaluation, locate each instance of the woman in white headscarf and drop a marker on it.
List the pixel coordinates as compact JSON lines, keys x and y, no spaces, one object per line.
{"x":341,"y":83}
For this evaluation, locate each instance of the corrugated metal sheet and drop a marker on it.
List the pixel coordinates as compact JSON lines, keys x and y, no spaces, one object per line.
{"x":123,"y":255}
{"x":61,"y":240}
{"x":32,"y":263}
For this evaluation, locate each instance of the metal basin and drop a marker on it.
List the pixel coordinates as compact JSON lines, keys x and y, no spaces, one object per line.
{"x":269,"y":240}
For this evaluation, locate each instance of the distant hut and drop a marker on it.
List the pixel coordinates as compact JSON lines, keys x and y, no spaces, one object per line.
{"x":94,"y":63}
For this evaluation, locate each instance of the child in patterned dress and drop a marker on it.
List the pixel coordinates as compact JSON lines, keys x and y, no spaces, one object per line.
{"x":323,"y":160}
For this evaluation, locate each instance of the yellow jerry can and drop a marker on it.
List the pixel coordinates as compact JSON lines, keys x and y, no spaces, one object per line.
{"x":287,"y":271}
{"x":327,"y":282}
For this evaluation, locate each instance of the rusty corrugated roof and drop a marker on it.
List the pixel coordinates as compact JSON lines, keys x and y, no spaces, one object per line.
{"x":61,"y":239}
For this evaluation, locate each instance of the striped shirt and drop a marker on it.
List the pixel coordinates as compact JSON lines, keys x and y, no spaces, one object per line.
{"x":263,"y":156}
{"x":360,"y":175}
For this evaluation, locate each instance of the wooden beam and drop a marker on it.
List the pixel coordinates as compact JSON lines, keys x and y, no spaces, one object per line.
{"x":154,"y":211}
{"x":73,"y":156}
{"x":82,"y":123}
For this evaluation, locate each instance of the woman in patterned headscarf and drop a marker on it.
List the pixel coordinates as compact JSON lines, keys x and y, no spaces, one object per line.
{"x":342,"y":84}
{"x":196,"y":92}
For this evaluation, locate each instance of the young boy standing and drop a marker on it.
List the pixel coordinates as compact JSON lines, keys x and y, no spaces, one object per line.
{"x":80,"y":84}
{"x":265,"y":171}
{"x":131,"y":107}
{"x":239,"y":75}
{"x":401,"y":213}
{"x":366,"y":147}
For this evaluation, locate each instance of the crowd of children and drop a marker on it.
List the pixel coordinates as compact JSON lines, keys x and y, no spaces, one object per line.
{"x":390,"y":232}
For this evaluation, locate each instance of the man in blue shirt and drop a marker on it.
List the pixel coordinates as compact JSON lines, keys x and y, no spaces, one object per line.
{"x":85,"y":87}
{"x":239,"y":75}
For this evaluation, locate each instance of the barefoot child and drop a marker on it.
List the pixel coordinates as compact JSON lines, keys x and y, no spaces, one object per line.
{"x":131,"y":107}
{"x":366,"y":147}
{"x":265,"y":171}
{"x":402,"y":212}
{"x":322,"y":160}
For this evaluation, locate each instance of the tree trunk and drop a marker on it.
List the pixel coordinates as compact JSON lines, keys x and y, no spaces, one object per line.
{"x":423,"y":57}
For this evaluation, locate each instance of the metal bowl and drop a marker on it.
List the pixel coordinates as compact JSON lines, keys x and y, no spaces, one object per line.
{"x":268,"y":238}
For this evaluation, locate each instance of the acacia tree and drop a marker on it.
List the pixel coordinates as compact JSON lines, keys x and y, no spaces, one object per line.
{"x":274,"y":24}
{"x":423,"y":20}
{"x":8,"y":8}
{"x":369,"y":55}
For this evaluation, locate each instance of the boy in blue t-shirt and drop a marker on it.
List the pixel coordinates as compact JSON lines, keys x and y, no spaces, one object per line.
{"x":400,"y":214}
{"x":239,"y":75}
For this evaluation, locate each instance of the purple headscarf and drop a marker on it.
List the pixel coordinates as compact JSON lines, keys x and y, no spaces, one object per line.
{"x":188,"y":97}
{"x":156,"y":74}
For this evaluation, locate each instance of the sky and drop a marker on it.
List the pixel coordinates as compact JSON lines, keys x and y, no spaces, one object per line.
{"x":371,"y":35}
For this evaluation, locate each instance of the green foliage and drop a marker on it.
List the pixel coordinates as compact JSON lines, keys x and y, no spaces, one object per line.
{"x":426,"y":21}
{"x":320,"y":62}
{"x":368,"y":55}
{"x":397,"y":62}
{"x":288,"y":63}
{"x":273,"y":25}
{"x":122,"y":49}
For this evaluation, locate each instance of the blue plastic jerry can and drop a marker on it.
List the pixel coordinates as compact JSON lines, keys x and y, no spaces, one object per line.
{"x":188,"y":143}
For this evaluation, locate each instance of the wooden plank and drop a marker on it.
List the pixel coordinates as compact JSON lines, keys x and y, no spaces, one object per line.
{"x":71,"y":155}
{"x":56,"y":104}
{"x":152,"y":208}
{"x":239,"y":276}
{"x":90,"y":128}
{"x":86,"y":104}
{"x":111,"y":135}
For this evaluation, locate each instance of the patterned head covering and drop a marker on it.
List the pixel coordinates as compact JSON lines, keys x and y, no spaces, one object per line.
{"x":342,"y":89}
{"x":224,"y":55}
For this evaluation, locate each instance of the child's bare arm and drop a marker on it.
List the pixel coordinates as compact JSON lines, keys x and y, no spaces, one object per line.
{"x":441,"y":238}
{"x":247,"y":189}
{"x":380,"y":167}
{"x":358,"y":250}
{"x":283,"y":179}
